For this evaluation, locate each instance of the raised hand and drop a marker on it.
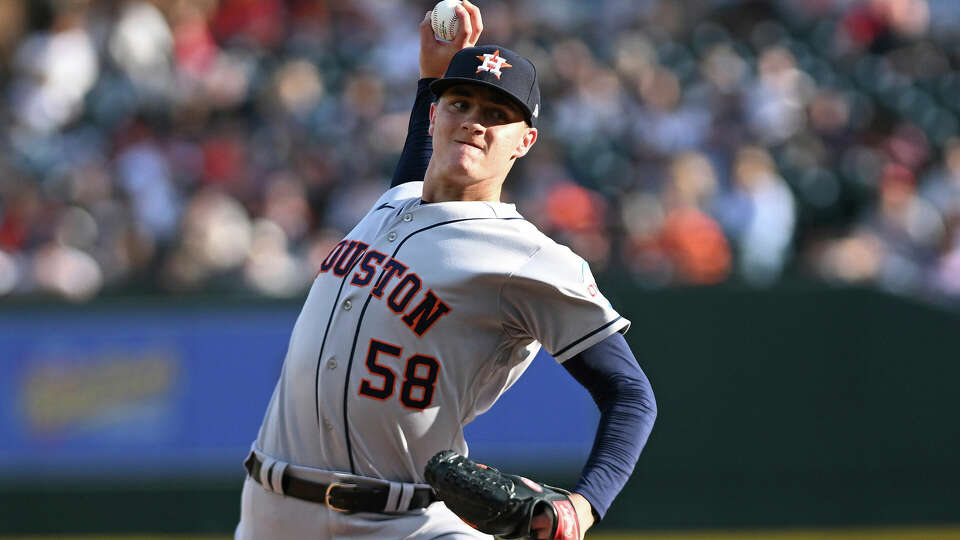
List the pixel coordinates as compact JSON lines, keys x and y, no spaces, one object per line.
{"x":435,"y":54}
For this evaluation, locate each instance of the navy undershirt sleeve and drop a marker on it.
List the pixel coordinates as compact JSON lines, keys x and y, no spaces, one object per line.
{"x":609,"y":371}
{"x":418,"y":146}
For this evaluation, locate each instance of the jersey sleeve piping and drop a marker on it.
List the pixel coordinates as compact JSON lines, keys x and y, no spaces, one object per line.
{"x":616,"y":325}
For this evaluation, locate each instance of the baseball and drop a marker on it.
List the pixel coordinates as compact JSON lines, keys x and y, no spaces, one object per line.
{"x":445,"y":20}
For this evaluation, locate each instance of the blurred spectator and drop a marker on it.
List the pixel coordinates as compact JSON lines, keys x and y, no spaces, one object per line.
{"x":142,"y":46}
{"x":54,"y":71}
{"x":776,"y":101}
{"x":668,"y":124}
{"x":216,"y":237}
{"x":12,"y":16}
{"x":678,"y":238}
{"x":768,"y":217}
{"x":145,"y":175}
{"x":909,"y":227}
{"x":691,"y":238}
{"x":577,"y":216}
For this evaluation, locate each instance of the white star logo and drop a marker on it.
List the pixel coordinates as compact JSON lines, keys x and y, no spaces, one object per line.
{"x":493,"y":63}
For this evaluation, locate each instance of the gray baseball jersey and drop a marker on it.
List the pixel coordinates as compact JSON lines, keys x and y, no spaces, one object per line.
{"x":416,"y":323}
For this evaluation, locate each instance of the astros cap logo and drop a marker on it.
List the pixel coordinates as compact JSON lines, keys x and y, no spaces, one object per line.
{"x":493,"y":63}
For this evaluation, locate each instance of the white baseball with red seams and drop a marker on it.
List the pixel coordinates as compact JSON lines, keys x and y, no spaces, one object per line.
{"x":445,"y":20}
{"x":417,"y":322}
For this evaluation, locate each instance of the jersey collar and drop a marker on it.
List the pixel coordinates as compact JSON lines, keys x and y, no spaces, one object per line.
{"x":447,"y":210}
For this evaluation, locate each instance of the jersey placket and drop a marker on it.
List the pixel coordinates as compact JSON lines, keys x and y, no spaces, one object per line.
{"x":357,"y":301}
{"x":331,"y":369}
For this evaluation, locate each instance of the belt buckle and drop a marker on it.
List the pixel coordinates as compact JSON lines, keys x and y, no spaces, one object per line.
{"x":326,"y":497}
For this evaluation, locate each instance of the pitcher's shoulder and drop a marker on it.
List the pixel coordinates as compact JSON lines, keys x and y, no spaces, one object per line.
{"x":523,"y":236}
{"x":544,"y":251}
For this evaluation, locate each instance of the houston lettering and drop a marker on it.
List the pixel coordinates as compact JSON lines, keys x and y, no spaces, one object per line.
{"x":397,"y":286}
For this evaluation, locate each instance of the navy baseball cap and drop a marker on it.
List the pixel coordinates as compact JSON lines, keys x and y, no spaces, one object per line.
{"x":495,"y":67}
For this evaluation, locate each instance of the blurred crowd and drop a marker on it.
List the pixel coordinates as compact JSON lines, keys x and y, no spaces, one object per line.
{"x":176,"y":146}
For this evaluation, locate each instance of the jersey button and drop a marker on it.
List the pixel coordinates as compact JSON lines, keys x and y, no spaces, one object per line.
{"x":347,"y":305}
{"x":408,"y":217}
{"x":327,"y":424}
{"x":332,"y":364}
{"x":392,"y":236}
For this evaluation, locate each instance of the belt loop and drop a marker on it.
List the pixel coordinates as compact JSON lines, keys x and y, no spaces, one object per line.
{"x":276,"y":475}
{"x":265,"y":473}
{"x":393,"y":497}
{"x":405,"y":498}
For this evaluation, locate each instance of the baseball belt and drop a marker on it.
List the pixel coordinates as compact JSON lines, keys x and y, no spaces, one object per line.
{"x":341,"y":496}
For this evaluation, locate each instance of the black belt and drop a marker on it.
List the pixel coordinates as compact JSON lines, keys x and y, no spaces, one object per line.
{"x":340,"y":496}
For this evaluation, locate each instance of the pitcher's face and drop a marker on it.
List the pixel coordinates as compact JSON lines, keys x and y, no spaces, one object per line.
{"x":478,"y":133}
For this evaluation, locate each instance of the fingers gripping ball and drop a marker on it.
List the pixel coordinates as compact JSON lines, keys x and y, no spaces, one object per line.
{"x":499,"y":504}
{"x":445,"y":20}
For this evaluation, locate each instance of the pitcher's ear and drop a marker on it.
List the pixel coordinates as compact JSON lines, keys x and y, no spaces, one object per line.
{"x":526,"y":143}
{"x":433,"y":114}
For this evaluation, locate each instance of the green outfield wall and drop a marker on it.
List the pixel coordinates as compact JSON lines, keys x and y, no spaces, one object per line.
{"x":796,"y":406}
{"x":791,"y":407}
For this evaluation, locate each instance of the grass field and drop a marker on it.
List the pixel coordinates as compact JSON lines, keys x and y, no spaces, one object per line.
{"x":911,"y":533}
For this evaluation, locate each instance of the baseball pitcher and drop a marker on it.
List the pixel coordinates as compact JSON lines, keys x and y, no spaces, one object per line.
{"x":421,"y":317}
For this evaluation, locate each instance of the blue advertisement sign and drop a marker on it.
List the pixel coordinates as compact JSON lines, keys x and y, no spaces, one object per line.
{"x":168,"y":392}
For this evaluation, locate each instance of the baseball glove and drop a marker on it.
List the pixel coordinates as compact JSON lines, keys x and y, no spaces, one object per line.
{"x":499,"y":504}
